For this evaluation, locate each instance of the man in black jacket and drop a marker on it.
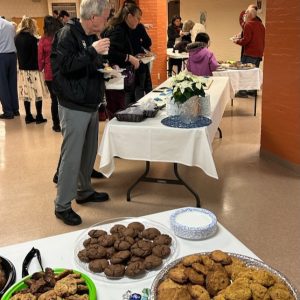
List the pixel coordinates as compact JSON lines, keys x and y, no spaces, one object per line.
{"x":76,"y":56}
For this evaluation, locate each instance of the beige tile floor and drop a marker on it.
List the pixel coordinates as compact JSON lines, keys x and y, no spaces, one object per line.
{"x":257,"y":200}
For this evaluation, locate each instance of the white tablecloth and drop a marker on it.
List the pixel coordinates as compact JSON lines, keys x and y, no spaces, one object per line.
{"x":242,"y":79}
{"x":58,"y":252}
{"x":149,"y":140}
{"x":176,"y":55}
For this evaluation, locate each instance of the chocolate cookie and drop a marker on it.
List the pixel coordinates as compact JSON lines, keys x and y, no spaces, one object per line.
{"x":82,"y":255}
{"x":121,"y":245}
{"x":152,"y":262}
{"x":137,"y":226}
{"x":161,"y":251}
{"x":135,"y":259}
{"x":98,"y":265}
{"x":162,"y":239}
{"x":90,"y":241}
{"x":110,"y":251}
{"x":94,"y":233}
{"x":141,"y":248}
{"x":93,"y":253}
{"x":114,"y":271}
{"x":128,"y":239}
{"x":107,"y":240}
{"x":129,"y":232}
{"x":150,"y":233}
{"x":134,"y":269}
{"x":120,"y":257}
{"x":118,"y":228}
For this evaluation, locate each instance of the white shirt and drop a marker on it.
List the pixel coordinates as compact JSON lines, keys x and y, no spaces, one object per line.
{"x":198,"y":27}
{"x":7,"y":36}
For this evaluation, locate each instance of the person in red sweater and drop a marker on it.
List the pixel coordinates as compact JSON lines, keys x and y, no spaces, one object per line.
{"x":51,"y":26}
{"x":253,"y":39}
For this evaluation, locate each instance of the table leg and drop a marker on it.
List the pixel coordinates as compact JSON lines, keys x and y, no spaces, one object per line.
{"x":255,"y":99}
{"x":220,"y":132}
{"x":138,"y":180}
{"x":179,"y":181}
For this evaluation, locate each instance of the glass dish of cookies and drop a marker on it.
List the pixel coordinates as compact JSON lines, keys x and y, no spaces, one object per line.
{"x":125,"y":249}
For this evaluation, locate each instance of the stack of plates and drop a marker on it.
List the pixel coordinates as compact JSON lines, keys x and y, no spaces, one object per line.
{"x":193,"y":223}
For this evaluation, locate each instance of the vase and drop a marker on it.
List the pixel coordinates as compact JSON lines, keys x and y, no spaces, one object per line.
{"x":205,"y":109}
{"x":172,"y":108}
{"x":190,"y":110}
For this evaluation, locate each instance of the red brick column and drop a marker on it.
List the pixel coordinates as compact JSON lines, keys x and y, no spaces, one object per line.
{"x":155,"y":13}
{"x":280,"y":129}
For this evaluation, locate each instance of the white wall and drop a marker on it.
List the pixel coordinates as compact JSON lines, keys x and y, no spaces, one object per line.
{"x":31,"y":8}
{"x":222,"y":22}
{"x":19,"y":8}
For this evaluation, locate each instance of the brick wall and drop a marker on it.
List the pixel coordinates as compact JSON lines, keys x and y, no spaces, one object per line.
{"x":155,"y":13}
{"x":280,"y":129}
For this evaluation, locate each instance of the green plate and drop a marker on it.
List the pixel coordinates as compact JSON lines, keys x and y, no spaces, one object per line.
{"x":21,"y":285}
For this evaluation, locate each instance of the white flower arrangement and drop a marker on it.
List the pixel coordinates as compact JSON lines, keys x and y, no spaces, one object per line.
{"x":186,"y":85}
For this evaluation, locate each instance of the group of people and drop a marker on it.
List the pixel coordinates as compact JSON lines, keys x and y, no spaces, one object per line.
{"x":192,"y":38}
{"x":70,"y":57}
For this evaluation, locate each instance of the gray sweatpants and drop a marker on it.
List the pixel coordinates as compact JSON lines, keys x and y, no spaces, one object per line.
{"x":78,"y":154}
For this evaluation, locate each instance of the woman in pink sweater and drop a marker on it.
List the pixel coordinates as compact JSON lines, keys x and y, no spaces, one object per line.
{"x":202,"y":61}
{"x":51,"y":26}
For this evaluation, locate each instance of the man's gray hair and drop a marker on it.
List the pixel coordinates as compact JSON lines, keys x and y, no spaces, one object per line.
{"x":89,"y":8}
{"x":252,"y":11}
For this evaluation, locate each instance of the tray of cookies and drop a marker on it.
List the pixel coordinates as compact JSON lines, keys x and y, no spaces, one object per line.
{"x":125,"y":249}
{"x":220,"y":275}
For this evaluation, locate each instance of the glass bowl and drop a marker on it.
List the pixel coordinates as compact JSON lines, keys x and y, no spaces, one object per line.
{"x":107,"y":225}
{"x":10,"y":273}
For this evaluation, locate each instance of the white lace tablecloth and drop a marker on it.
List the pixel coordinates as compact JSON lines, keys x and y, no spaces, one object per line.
{"x":242,"y":79}
{"x":149,"y":140}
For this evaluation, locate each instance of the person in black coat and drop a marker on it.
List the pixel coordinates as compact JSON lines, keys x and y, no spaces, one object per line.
{"x":121,"y":53}
{"x":76,"y":56}
{"x":174,"y":32}
{"x":141,"y":41}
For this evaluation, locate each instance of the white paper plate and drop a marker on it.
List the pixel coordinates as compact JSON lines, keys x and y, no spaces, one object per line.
{"x":146,"y":59}
{"x":193,"y":223}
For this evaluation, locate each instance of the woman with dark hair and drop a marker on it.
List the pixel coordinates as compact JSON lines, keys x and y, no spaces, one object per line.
{"x":174,"y":32}
{"x":51,"y":26}
{"x":119,"y":30}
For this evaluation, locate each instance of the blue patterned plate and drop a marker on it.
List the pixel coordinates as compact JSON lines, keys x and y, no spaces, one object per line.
{"x":176,"y":122}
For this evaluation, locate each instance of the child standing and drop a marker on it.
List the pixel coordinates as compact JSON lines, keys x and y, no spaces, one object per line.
{"x":202,"y":61}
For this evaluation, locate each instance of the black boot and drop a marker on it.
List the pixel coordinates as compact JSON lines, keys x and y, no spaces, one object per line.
{"x":39,"y":117}
{"x":96,"y":174}
{"x":29,"y":118}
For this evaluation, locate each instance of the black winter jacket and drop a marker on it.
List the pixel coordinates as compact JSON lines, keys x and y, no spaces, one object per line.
{"x":120,"y":44}
{"x":27,"y":51}
{"x":74,"y":62}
